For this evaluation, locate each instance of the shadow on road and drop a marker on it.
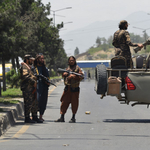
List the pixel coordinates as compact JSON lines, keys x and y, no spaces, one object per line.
{"x":67,"y":122}
{"x":127,"y":120}
{"x":84,"y":122}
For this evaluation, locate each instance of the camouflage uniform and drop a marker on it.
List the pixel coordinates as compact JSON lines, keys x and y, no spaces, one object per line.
{"x":34,"y":107}
{"x":121,"y":42}
{"x":27,"y":86}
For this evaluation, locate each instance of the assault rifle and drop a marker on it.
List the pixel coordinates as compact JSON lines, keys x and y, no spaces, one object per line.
{"x":45,"y":79}
{"x":69,"y":72}
{"x":144,"y":44}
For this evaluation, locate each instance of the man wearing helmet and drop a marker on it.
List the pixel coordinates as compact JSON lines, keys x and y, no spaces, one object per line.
{"x":121,"y":42}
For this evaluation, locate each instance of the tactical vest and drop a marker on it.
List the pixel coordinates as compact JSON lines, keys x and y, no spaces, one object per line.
{"x":73,"y":83}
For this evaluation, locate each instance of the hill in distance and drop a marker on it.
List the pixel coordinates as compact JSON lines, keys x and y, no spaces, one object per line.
{"x":84,"y":38}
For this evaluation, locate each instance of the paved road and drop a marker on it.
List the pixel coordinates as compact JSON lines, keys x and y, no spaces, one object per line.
{"x":110,"y":126}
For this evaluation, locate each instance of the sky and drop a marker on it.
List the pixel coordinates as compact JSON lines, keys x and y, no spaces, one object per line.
{"x":85,"y":12}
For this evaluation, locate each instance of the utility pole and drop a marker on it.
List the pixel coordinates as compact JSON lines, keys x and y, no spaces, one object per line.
{"x":58,"y":10}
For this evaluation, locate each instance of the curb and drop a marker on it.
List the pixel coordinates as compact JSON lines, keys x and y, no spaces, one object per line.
{"x":9,"y":115}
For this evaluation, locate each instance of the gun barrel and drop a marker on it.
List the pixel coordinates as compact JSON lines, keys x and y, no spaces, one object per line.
{"x":46,"y":79}
{"x":137,"y":49}
{"x":144,"y":44}
{"x":77,"y":74}
{"x":61,"y":70}
{"x":70,"y":72}
{"x":53,"y":84}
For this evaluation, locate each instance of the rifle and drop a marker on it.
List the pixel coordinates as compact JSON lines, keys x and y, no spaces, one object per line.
{"x":45,"y":79}
{"x":69,"y":72}
{"x":144,"y":44}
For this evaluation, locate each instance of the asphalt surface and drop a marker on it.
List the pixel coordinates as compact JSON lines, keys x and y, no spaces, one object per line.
{"x":110,"y":125}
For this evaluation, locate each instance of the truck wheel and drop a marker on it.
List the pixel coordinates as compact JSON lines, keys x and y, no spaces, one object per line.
{"x":100,"y":79}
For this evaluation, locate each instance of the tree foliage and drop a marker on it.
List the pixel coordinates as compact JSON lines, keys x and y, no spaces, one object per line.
{"x":26,"y":28}
{"x":105,"y":44}
{"x":98,"y":41}
{"x":76,"y":51}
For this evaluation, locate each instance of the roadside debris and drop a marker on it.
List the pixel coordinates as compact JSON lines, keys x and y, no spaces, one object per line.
{"x":88,"y":112}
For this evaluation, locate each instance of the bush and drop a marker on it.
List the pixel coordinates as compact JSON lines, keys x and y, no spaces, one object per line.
{"x":13,"y":78}
{"x":53,"y":73}
{"x":102,"y":55}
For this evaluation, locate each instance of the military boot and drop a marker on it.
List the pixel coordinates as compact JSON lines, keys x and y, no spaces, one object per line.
{"x":28,"y":120}
{"x":36,"y":119}
{"x":72,"y":120}
{"x":61,"y":119}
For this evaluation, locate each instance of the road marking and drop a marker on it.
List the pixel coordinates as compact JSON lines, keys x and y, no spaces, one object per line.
{"x":52,"y":89}
{"x":19,"y":133}
{"x":25,"y":127}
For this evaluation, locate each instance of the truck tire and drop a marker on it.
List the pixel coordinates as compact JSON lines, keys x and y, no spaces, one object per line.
{"x":100,"y":79}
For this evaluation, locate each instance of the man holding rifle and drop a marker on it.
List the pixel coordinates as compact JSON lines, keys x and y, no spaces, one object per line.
{"x":42,"y":85}
{"x":122,"y":43}
{"x":71,"y":90}
{"x":28,"y":87}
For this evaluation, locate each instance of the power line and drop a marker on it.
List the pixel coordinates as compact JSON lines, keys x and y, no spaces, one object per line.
{"x":101,"y":28}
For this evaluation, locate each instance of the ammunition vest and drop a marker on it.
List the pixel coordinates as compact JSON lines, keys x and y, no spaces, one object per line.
{"x":73,"y":83}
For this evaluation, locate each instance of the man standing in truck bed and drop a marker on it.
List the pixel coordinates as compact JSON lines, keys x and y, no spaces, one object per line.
{"x":121,"y":42}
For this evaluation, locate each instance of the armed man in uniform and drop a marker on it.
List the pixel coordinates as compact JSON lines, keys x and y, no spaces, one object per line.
{"x":122,"y":43}
{"x":71,"y":90}
{"x":28,"y":87}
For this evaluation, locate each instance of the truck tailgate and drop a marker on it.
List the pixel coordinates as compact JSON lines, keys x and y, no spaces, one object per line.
{"x":141,"y":80}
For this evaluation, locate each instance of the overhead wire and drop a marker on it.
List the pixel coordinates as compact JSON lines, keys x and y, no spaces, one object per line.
{"x":82,"y":31}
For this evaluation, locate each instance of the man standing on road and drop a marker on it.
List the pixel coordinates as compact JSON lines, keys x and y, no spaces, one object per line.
{"x":89,"y":75}
{"x":42,"y":86}
{"x":71,"y":90}
{"x":121,"y":42}
{"x":28,"y":85}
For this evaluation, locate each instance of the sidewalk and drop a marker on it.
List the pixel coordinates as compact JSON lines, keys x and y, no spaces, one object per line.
{"x":11,"y":112}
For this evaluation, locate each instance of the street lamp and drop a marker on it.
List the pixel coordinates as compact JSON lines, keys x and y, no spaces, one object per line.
{"x":63,"y":26}
{"x":144,"y":31}
{"x":58,"y":10}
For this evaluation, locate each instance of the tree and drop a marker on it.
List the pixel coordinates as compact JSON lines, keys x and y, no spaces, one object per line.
{"x":26,"y":28}
{"x":76,"y":51}
{"x":98,"y":41}
{"x":109,"y":41}
{"x":104,"y":45}
{"x":9,"y":14}
{"x":136,"y":38}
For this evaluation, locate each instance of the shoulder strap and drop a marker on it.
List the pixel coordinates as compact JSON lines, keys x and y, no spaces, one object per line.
{"x":37,"y":70}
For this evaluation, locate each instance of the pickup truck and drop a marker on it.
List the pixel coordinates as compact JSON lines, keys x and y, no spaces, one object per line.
{"x":128,"y":85}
